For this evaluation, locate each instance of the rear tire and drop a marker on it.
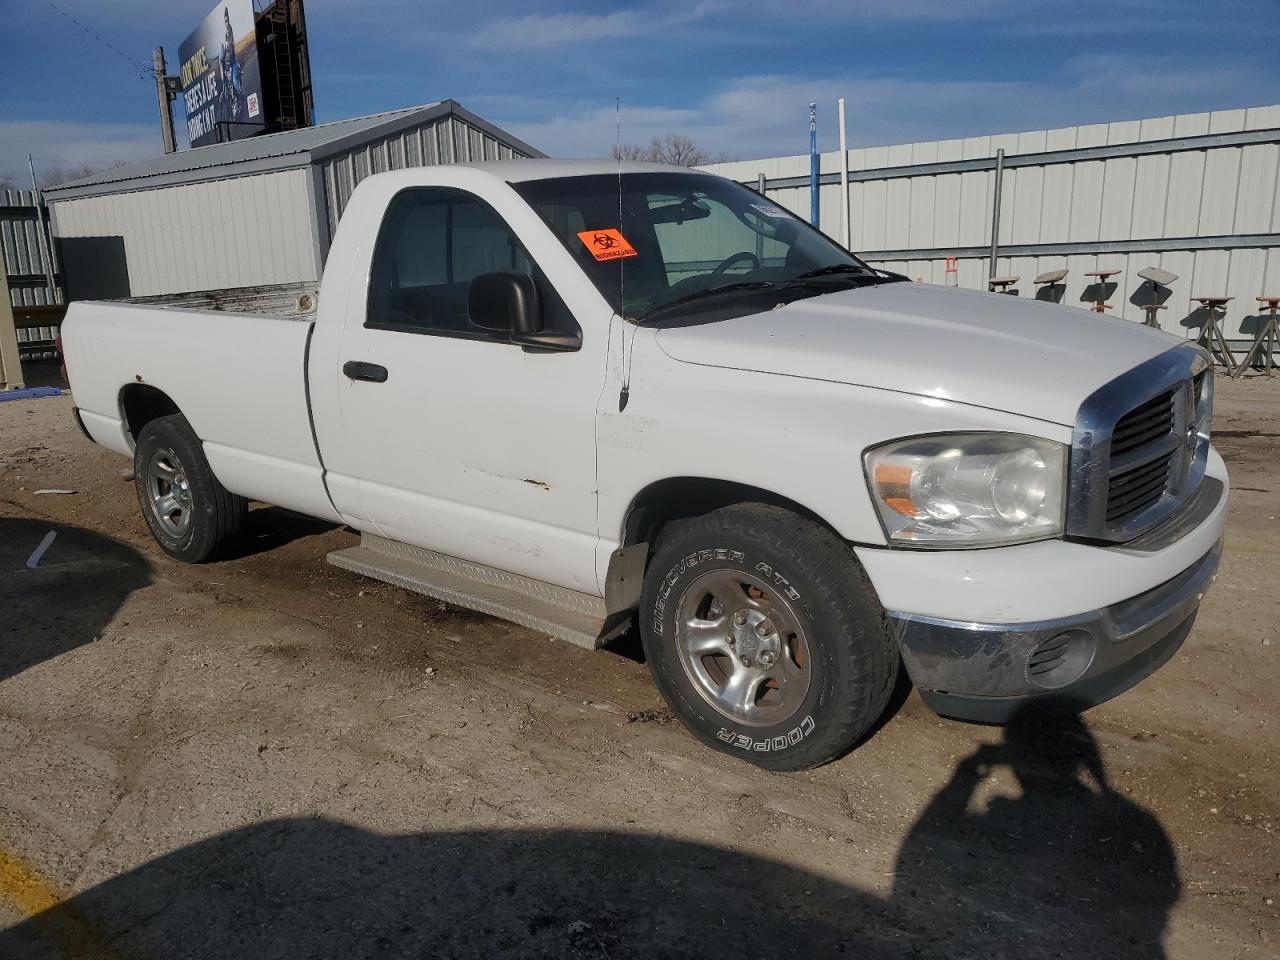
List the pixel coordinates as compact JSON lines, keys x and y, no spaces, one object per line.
{"x":191,"y":515}
{"x":765,"y":636}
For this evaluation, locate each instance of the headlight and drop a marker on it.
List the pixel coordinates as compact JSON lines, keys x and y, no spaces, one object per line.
{"x":968,"y":489}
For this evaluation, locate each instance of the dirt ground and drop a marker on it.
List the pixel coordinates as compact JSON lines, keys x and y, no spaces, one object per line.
{"x":270,"y":757}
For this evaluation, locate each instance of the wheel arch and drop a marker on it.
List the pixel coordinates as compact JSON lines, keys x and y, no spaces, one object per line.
{"x":140,"y":403}
{"x":676,"y":498}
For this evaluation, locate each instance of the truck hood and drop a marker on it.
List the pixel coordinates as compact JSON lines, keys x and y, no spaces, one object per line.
{"x":990,"y":350}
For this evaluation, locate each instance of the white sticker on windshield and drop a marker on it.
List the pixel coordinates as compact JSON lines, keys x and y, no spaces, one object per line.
{"x":769,"y":210}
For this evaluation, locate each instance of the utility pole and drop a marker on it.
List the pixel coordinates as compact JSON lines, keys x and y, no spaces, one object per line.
{"x":846,"y":234}
{"x":164,"y":94}
{"x":46,"y":245}
{"x":997,"y":190}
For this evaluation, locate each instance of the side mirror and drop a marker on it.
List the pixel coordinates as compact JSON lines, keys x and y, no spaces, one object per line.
{"x":505,"y":303}
{"x":509,"y":303}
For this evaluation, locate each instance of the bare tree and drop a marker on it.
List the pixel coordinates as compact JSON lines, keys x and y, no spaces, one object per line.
{"x":672,"y":148}
{"x":630,"y":151}
{"x":58,"y":175}
{"x":55,"y":175}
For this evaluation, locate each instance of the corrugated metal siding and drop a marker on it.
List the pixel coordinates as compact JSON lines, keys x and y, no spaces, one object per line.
{"x":238,"y":232}
{"x":24,"y":260}
{"x":447,"y":140}
{"x":1215,"y":192}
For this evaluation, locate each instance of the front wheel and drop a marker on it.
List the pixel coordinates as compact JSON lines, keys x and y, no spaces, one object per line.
{"x":191,"y":515}
{"x":765,"y":637}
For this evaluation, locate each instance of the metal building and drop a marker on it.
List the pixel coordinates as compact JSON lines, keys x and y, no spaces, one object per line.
{"x":30,"y":291}
{"x":251,"y":212}
{"x":1196,"y":194}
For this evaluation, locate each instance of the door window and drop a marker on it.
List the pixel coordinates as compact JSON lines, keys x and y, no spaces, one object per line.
{"x":432,"y":244}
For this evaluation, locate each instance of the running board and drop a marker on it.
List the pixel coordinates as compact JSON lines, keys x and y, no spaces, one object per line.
{"x":577,"y":618}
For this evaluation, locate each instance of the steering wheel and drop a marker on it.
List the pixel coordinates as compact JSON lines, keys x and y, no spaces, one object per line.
{"x":733,"y":258}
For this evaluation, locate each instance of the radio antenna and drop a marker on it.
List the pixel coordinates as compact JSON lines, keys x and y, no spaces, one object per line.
{"x":625,"y":395}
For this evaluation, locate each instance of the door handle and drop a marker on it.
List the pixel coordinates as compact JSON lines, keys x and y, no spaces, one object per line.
{"x":360,"y":370}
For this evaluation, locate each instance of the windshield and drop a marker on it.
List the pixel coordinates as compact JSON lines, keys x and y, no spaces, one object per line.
{"x":689,"y":242}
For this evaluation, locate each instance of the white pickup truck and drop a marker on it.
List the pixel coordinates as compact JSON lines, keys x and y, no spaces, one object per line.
{"x":582,"y":394}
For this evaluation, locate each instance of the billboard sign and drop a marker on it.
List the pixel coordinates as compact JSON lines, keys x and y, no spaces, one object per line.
{"x":221,"y":82}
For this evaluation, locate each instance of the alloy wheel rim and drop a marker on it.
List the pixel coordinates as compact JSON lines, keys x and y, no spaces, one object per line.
{"x":168,"y":492}
{"x":743,"y":648}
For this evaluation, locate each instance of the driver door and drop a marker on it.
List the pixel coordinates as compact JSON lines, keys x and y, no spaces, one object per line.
{"x":469,"y":445}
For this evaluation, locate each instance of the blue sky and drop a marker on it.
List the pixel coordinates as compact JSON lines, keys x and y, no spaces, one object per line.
{"x":737,"y":76}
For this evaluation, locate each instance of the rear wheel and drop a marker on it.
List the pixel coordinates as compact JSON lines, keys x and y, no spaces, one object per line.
{"x":191,"y":515}
{"x":765,"y":637}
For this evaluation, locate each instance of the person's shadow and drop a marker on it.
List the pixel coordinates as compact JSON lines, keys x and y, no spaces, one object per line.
{"x":1067,"y":868}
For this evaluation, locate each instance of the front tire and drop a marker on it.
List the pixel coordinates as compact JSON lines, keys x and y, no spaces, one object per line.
{"x":191,"y":515}
{"x":765,"y":636}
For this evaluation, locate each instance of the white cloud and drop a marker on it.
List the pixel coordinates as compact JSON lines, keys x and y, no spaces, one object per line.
{"x":590,"y":131}
{"x":560,"y":29}
{"x":763,"y":116}
{"x":63,"y":145}
{"x":889,"y":10}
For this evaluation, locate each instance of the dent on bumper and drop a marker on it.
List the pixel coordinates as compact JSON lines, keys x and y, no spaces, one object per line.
{"x":986,"y":671}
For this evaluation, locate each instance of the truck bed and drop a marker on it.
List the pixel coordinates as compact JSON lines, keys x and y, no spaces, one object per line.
{"x":238,"y":377}
{"x":291,"y":301}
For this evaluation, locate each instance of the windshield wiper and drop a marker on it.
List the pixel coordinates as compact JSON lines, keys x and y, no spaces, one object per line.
{"x":740,"y":286}
{"x":825,"y":279}
{"x":832,"y":269}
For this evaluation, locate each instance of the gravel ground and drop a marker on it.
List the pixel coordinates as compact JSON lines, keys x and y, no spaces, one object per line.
{"x":269,"y":757}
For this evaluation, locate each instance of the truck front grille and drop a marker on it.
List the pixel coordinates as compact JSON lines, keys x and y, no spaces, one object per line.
{"x":1136,"y":455}
{"x":1143,"y":425}
{"x":1141,"y":438}
{"x":1133,"y":490}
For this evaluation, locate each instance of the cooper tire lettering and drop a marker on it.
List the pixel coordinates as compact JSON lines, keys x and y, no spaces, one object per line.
{"x":774,"y":744}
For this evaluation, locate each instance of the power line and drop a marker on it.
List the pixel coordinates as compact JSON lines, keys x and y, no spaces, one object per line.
{"x":143,"y":68}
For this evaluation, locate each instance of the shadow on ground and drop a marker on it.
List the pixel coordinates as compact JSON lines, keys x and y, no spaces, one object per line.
{"x":267,"y":528}
{"x":1067,"y":869}
{"x":78,"y":585}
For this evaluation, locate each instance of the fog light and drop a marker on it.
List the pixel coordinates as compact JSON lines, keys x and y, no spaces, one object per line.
{"x":1061,"y":659}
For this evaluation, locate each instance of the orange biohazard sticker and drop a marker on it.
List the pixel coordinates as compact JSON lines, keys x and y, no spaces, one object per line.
{"x":606,"y":244}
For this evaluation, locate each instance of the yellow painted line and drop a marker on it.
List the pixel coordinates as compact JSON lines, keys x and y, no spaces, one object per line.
{"x":22,"y":886}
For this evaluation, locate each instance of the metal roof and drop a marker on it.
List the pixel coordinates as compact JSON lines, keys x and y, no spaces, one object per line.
{"x":272,"y":151}
{"x":544,"y":168}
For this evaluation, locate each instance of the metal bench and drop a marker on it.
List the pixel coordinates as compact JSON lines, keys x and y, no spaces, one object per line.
{"x":1158,"y":279}
{"x":1049,"y":282}
{"x":1101,"y":277}
{"x":1211,"y":336}
{"x":1266,"y":342}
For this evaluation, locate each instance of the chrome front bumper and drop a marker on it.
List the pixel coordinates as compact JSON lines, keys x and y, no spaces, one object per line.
{"x":987,"y":671}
